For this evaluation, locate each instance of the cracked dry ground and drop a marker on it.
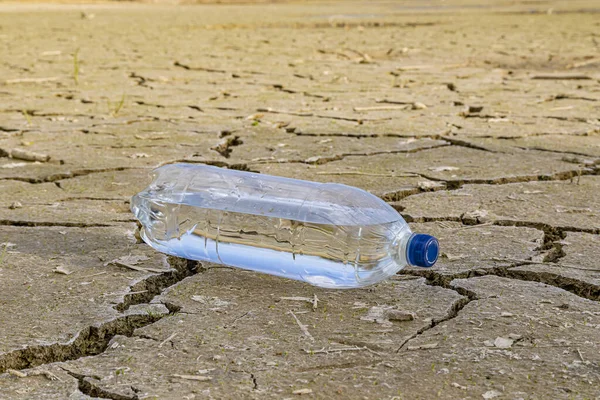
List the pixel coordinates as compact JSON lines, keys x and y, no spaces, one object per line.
{"x":384,"y":97}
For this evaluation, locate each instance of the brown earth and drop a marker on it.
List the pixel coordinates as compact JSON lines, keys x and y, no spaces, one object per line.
{"x":479,"y":123}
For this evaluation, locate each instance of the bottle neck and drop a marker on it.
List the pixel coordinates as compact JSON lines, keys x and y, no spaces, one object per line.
{"x":401,"y":245}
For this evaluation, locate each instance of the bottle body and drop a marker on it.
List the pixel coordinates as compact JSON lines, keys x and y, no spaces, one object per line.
{"x":329,"y":235}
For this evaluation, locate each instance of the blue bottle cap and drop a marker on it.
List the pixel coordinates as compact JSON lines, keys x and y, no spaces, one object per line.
{"x":422,"y":250}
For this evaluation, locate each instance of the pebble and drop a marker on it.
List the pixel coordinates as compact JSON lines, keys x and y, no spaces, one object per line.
{"x":491,"y":394}
{"x":515,"y":336}
{"x":14,"y":205}
{"x":503,"y":343}
{"x":399,"y":315}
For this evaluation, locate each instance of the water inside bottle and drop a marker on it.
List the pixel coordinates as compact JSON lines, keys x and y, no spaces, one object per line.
{"x":321,"y":253}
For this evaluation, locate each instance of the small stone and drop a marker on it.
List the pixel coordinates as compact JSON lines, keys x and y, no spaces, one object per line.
{"x":468,"y":110}
{"x":139,"y":155}
{"x":217,"y":357}
{"x":418,"y":106}
{"x":479,"y":215}
{"x":458,"y":386}
{"x":515,"y":336}
{"x":377,"y":314}
{"x":255,"y":117}
{"x":21,"y":154}
{"x":506,"y":314}
{"x":399,"y":315}
{"x":205,"y":371}
{"x":62,"y":270}
{"x":429,"y":185}
{"x":491,"y":394}
{"x":15,"y":205}
{"x":503,"y":343}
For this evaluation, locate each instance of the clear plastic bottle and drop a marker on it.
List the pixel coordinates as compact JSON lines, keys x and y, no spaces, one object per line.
{"x":326,"y":234}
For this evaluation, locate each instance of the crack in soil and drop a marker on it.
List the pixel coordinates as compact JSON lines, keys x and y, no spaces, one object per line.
{"x":7,"y":222}
{"x":254,"y":382}
{"x":214,"y":70}
{"x":295,"y":131}
{"x":572,"y":119}
{"x":148,"y":288}
{"x":215,"y":163}
{"x":320,"y":160}
{"x":401,"y":194}
{"x":457,"y":306}
{"x":577,"y":287}
{"x":556,"y":232}
{"x":9,"y":130}
{"x":281,"y":88}
{"x":469,"y":145}
{"x":450,"y":184}
{"x":552,"y":239}
{"x":453,"y":184}
{"x":443,"y":136}
{"x":225,"y":147}
{"x":143,"y":103}
{"x":87,"y":386}
{"x":359,"y":121}
{"x":458,"y":184}
{"x":140,"y":80}
{"x":94,"y":340}
{"x":90,"y":341}
{"x":66,"y":175}
{"x":536,"y":148}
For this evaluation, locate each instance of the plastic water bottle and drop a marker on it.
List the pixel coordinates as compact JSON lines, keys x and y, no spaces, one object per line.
{"x":326,"y":234}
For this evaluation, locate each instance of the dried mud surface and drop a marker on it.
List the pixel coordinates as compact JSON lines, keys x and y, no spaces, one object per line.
{"x":478,"y":123}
